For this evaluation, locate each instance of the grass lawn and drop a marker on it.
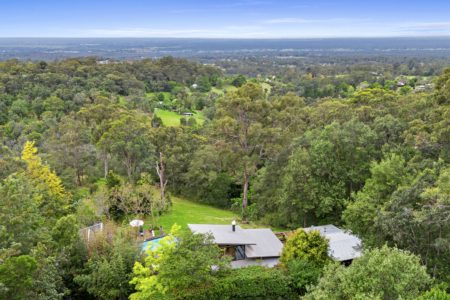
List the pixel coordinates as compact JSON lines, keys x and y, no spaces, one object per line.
{"x":230,"y":88}
{"x":184,"y":212}
{"x":217,"y":91}
{"x":166,"y":95}
{"x":172,"y":119}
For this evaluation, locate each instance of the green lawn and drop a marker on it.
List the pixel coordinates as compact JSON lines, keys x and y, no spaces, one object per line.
{"x":184,"y":212}
{"x":166,"y":95}
{"x":172,"y":119}
{"x":217,"y":91}
{"x":230,"y":88}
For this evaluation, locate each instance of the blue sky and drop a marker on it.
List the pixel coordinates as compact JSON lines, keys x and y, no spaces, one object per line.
{"x":224,"y":19}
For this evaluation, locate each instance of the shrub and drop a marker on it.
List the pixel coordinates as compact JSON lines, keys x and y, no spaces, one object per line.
{"x":310,"y":246}
{"x":386,"y":273}
{"x":252,"y":283}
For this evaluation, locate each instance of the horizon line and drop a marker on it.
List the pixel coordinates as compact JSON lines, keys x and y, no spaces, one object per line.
{"x":227,"y":38}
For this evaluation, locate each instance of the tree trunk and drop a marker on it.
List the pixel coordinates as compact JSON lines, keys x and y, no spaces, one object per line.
{"x":129,"y":165}
{"x":105,"y":164}
{"x":79,"y":175}
{"x":245,"y":190}
{"x":160,"y":169}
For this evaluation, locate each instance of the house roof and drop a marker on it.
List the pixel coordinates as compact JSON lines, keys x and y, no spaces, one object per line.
{"x":343,"y":245}
{"x":267,"y":244}
{"x":258,"y":243}
{"x":223,"y":234}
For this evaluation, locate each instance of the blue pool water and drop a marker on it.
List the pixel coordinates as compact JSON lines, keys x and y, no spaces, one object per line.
{"x":152,"y":245}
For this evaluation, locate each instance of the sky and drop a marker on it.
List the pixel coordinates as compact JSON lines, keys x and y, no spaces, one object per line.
{"x":224,"y":19}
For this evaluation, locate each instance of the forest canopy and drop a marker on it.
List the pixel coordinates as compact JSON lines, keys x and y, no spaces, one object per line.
{"x":366,"y":148}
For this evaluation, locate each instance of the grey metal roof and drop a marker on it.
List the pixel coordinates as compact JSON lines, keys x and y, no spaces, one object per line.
{"x":267,"y":244}
{"x":343,"y":245}
{"x":223,"y":235}
{"x":258,"y":242}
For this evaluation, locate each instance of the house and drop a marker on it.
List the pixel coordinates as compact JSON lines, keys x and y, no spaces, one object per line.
{"x":344,"y":246}
{"x":247,"y":247}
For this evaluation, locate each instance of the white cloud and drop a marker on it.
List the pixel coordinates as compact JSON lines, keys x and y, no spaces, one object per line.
{"x":426,"y":26}
{"x":311,"y":21}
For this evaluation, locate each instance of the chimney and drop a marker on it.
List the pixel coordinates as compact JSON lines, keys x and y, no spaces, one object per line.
{"x":233,"y":225}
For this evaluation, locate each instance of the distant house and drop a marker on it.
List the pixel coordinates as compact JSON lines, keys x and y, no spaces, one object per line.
{"x":423,"y":87}
{"x":187,"y":114}
{"x":344,"y":246}
{"x":103,"y":62}
{"x":246,"y":246}
{"x":194,"y":86}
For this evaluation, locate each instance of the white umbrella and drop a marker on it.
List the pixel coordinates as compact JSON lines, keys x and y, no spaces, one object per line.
{"x":136,"y":223}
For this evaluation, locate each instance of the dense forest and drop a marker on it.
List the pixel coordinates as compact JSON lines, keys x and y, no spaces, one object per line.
{"x":364,"y":146}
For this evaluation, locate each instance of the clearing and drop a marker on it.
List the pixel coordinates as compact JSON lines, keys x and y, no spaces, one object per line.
{"x":172,"y":119}
{"x":184,"y":212}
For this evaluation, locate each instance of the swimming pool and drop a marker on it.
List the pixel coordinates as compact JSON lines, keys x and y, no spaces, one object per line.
{"x":152,"y":245}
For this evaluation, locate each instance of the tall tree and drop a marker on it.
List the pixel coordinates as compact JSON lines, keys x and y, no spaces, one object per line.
{"x":99,"y":118}
{"x":174,"y":148}
{"x":240,"y":129}
{"x":70,"y":147}
{"x":128,"y":139}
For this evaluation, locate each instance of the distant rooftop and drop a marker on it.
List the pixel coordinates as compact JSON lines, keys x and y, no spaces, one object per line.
{"x":343,"y":245}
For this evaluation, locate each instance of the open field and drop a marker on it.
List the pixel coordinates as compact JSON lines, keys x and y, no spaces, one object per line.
{"x":172,"y":119}
{"x":184,"y":212}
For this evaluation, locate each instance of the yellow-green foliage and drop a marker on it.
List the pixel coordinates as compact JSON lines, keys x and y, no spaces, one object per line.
{"x":145,"y":277}
{"x":53,"y":199}
{"x":304,"y":245}
{"x":41,"y":172}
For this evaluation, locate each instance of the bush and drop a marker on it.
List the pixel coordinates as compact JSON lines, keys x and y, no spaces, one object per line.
{"x":386,"y":273}
{"x":309,"y":246}
{"x":436,"y":293}
{"x":303,"y":274}
{"x":252,"y":283}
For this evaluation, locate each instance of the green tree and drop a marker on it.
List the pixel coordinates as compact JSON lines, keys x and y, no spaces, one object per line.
{"x":240,"y":129}
{"x":53,"y":200}
{"x":361,"y":215}
{"x":322,"y":173}
{"x":180,"y":268}
{"x":436,"y":293}
{"x":425,"y":229}
{"x":107,"y":272}
{"x":106,"y":278}
{"x":128,"y":139}
{"x":70,"y":148}
{"x":442,"y":89}
{"x":22,"y":221}
{"x":385,"y":273}
{"x":239,"y":81}
{"x":310,"y":246}
{"x":16,"y":277}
